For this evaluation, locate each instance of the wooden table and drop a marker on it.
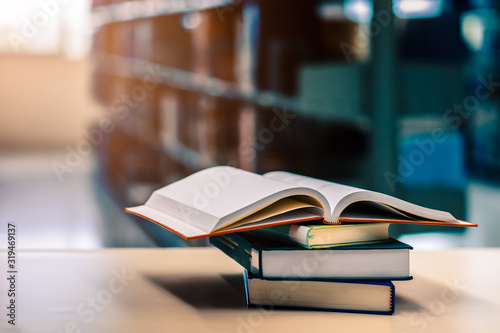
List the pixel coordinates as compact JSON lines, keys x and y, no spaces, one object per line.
{"x":201,"y":290}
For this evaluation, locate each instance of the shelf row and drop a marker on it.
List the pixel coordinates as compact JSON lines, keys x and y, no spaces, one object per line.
{"x":139,"y":69}
{"x":134,"y":10}
{"x":196,"y":130}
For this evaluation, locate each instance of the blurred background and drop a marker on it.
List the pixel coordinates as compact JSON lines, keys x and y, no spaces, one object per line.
{"x":104,"y":101}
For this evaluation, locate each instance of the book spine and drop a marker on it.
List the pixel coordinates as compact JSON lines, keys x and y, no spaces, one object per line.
{"x":247,"y":291}
{"x":235,"y":247}
{"x":301,"y":308}
{"x":393,"y":296}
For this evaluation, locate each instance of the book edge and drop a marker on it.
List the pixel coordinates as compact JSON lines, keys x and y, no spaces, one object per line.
{"x":247,"y":276}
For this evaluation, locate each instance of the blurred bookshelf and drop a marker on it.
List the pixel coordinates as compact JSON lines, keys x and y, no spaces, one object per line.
{"x":264,"y":85}
{"x":121,"y":11}
{"x":191,"y":84}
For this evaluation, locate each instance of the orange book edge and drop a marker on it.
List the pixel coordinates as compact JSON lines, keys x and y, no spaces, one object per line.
{"x":222,"y":232}
{"x":460,"y":223}
{"x":346,"y":220}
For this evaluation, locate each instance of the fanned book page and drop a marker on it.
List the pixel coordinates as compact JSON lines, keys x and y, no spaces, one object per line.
{"x":222,"y":199}
{"x":341,"y":196}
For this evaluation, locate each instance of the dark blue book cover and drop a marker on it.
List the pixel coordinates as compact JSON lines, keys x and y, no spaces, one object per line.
{"x":264,"y":257}
{"x":360,"y":305}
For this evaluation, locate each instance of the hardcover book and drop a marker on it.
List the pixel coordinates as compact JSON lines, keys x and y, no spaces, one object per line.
{"x":273,"y":260}
{"x":223,"y":199}
{"x":375,"y":297}
{"x":314,"y":236}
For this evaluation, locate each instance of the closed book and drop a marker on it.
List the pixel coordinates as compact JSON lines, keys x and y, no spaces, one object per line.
{"x":375,"y":297}
{"x":275,"y":260}
{"x":313,"y":236}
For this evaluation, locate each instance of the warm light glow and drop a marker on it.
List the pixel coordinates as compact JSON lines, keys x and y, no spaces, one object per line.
{"x":358,"y":10}
{"x":417,"y":8}
{"x":191,"y":20}
{"x":331,"y":11}
{"x":414,"y":5}
{"x":45,"y":27}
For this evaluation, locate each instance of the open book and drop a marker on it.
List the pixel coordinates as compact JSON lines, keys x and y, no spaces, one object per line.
{"x":223,"y":199}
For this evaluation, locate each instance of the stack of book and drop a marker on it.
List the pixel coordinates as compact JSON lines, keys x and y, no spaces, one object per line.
{"x":304,"y":242}
{"x":339,"y":267}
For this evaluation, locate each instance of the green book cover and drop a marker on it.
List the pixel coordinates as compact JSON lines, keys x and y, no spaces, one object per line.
{"x":314,"y":236}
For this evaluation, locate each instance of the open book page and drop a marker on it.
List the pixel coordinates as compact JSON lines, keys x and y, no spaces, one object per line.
{"x":368,"y":210}
{"x":341,"y":196}
{"x":171,"y":223}
{"x":189,"y":231}
{"x":333,"y":192}
{"x":214,"y":197}
{"x":279,"y":207}
{"x":224,"y":199}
